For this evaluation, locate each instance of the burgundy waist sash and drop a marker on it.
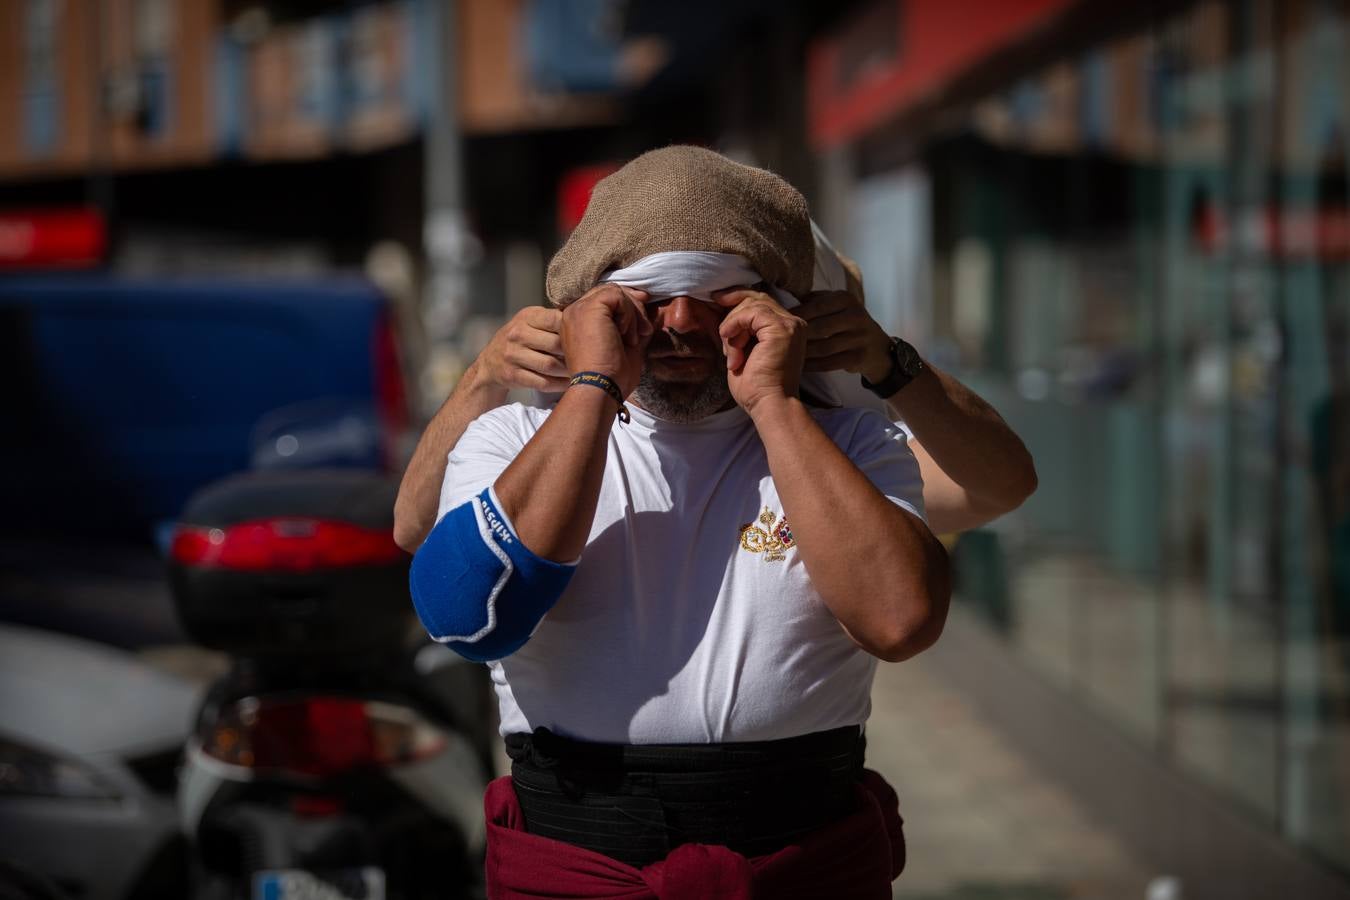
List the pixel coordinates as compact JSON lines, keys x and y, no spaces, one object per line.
{"x":856,"y":857}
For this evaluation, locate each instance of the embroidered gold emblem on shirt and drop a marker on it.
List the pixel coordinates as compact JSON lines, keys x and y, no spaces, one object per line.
{"x":773,"y":540}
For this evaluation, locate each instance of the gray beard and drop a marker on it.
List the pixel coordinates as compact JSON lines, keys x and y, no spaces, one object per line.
{"x":683,"y":402}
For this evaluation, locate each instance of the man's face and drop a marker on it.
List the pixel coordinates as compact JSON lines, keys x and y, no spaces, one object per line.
{"x":685,"y":375}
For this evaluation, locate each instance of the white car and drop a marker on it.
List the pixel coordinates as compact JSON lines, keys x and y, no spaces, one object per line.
{"x":90,"y":741}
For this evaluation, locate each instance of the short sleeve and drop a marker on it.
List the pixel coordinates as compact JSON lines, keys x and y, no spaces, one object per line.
{"x":881,"y":450}
{"x":484,"y":451}
{"x":850,"y":394}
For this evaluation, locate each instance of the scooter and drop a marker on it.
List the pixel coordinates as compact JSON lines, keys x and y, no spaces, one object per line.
{"x":343,"y":755}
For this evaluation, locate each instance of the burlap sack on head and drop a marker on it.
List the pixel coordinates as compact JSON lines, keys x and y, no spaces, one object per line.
{"x":687,"y":198}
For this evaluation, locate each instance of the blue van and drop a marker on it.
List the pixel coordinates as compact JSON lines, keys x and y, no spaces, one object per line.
{"x":123,"y":395}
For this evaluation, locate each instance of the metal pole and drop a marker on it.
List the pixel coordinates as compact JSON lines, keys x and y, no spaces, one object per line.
{"x":450,"y":247}
{"x":99,"y":176}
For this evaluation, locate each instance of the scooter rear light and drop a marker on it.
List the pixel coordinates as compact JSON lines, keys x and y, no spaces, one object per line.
{"x":284,"y":545}
{"x":320,"y":736}
{"x":310,"y":806}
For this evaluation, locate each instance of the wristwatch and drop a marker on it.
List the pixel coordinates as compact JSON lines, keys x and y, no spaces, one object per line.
{"x":905,"y":367}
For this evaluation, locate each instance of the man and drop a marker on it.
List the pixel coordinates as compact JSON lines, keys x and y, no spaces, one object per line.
{"x":974,"y":466}
{"x":683,"y":609}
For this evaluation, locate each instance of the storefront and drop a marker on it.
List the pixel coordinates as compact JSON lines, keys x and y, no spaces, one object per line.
{"x":1141,"y":253}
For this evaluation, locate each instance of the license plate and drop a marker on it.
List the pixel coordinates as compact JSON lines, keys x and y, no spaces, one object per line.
{"x":343,"y":884}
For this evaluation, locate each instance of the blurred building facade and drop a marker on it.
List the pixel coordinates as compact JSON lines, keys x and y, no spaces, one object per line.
{"x":216,"y":135}
{"x":1140,"y":251}
{"x":428,"y":142}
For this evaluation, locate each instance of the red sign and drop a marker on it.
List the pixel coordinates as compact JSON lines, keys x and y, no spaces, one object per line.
{"x":60,"y":238}
{"x":1289,"y":234}
{"x":574,"y":193}
{"x":894,"y":54}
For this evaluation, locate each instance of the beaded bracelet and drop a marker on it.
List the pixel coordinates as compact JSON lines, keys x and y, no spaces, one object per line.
{"x":606,"y":384}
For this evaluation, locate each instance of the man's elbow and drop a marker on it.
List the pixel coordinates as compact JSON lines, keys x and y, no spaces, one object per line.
{"x":925,"y":614}
{"x":1020,"y":480}
{"x":1014,"y":488}
{"x":407,"y":537}
{"x":915,"y":634}
{"x":409,"y":530}
{"x":1025,"y":482}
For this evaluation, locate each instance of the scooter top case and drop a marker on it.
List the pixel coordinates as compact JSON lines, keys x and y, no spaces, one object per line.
{"x":292,"y":562}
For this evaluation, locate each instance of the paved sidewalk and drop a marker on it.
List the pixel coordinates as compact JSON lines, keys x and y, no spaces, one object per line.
{"x":980,"y":822}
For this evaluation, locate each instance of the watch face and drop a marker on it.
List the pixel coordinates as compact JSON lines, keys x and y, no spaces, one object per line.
{"x":907,"y":359}
{"x":905,"y":364}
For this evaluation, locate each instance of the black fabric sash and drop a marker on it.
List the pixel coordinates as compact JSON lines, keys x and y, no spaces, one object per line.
{"x":638,"y":802}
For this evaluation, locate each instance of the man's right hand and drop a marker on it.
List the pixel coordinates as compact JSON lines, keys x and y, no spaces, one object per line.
{"x":527,"y":352}
{"x":606,"y":331}
{"x":841,"y":334}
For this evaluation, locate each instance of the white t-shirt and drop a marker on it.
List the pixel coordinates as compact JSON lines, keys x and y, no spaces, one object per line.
{"x":677,"y":627}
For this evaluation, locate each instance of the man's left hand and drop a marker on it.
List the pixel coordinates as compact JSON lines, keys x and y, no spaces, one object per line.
{"x":840,"y":334}
{"x":765,"y":346}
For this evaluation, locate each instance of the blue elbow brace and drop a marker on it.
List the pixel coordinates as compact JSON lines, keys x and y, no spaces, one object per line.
{"x":477,"y":588}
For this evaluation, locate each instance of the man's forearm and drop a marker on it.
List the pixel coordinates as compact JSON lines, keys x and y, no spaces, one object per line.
{"x":549,"y":491}
{"x":879,"y":570}
{"x":420,"y":491}
{"x":964,"y":437}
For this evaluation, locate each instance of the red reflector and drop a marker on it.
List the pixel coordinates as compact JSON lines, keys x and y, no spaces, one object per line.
{"x":314,"y":807}
{"x":322,"y":736}
{"x":319,"y":737}
{"x":285,"y":545}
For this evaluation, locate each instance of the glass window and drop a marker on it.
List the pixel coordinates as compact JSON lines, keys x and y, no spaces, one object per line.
{"x":1221,"y":401}
{"x":1310,"y":227}
{"x":1156,"y":294}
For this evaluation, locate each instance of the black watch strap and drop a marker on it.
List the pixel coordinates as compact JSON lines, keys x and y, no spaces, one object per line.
{"x":906,"y":364}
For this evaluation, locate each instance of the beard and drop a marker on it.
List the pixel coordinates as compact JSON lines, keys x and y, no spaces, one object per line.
{"x":683,"y":401}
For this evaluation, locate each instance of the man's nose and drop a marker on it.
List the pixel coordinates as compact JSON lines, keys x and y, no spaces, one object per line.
{"x":679,"y":313}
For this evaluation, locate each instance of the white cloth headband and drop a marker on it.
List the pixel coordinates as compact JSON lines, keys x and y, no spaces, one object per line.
{"x":699,"y":273}
{"x":690,"y":273}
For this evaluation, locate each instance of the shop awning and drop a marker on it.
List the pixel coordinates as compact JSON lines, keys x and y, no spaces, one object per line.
{"x":894,"y":55}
